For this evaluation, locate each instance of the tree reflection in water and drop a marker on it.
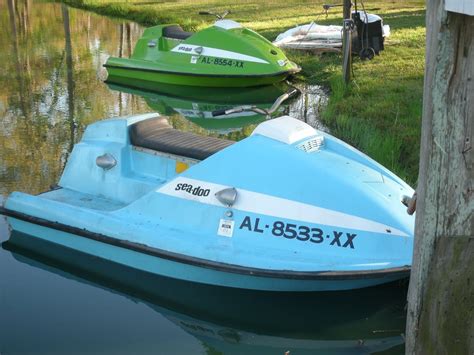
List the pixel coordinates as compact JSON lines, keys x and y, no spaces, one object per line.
{"x":50,"y":87}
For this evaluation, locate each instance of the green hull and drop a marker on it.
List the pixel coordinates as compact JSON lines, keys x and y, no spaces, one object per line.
{"x":224,"y":55}
{"x":131,"y":74}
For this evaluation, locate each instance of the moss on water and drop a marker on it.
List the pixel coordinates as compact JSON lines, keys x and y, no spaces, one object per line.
{"x":379,"y":113}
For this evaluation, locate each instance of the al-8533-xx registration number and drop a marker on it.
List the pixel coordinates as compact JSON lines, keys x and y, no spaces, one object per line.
{"x":300,"y":233}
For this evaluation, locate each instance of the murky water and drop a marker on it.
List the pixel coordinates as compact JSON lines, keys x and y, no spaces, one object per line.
{"x":51,"y":88}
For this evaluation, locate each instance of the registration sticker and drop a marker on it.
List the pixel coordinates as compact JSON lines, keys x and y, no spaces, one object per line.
{"x":226,"y":228}
{"x":194,"y":59}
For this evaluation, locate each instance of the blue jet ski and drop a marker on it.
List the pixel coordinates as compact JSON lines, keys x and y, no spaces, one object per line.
{"x":289,"y":208}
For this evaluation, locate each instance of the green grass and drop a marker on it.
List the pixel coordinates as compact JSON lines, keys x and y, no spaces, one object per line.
{"x":379,"y":112}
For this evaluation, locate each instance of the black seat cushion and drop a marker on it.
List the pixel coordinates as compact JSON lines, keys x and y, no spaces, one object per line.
{"x":158,"y":134}
{"x":176,"y":32}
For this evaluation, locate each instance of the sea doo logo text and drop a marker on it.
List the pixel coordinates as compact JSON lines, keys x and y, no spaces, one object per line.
{"x":190,"y":189}
{"x":186,"y":49}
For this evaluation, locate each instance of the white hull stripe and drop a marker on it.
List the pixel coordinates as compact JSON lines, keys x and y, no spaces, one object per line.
{"x":254,"y":202}
{"x":215,"y":52}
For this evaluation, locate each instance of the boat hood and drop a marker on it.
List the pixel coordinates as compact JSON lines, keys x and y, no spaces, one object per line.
{"x":248,"y":45}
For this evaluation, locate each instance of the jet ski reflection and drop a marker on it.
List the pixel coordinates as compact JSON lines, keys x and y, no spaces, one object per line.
{"x":197,"y":104}
{"x":232,"y":321}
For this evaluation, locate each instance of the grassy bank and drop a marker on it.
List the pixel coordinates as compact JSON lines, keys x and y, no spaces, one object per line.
{"x":380,"y":112}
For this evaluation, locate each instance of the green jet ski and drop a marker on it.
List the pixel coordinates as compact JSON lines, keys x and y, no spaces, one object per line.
{"x":223,"y":55}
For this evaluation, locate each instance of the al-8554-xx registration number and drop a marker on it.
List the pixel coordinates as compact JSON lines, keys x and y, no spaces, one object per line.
{"x":301,"y":233}
{"x":223,"y":62}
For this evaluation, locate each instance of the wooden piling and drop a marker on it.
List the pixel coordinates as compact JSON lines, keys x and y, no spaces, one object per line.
{"x":441,"y":293}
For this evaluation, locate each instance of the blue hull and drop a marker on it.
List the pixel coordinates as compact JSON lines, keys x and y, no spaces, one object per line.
{"x":207,"y":274}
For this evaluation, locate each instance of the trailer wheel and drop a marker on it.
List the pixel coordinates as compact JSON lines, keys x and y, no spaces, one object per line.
{"x":367,"y":53}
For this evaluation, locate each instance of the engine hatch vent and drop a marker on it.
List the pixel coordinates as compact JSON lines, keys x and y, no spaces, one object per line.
{"x":312,"y":145}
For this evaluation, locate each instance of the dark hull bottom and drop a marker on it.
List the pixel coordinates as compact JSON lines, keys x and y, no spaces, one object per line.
{"x":299,"y":311}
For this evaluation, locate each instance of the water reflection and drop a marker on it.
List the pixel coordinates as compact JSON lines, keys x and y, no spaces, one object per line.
{"x":309,"y":106}
{"x":49,"y":86}
{"x":70,"y":78}
{"x":198,"y":104}
{"x":205,"y":319}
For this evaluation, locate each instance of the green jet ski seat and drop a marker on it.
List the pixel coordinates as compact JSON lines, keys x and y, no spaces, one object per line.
{"x":176,"y":32}
{"x":157,"y":134}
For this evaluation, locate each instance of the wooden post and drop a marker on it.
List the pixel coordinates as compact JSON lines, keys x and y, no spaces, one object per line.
{"x":347,"y":42}
{"x":441,"y":293}
{"x":346,"y":11}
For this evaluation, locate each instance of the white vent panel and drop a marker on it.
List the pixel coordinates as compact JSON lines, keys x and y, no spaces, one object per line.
{"x":285,"y":129}
{"x":312,"y":145}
